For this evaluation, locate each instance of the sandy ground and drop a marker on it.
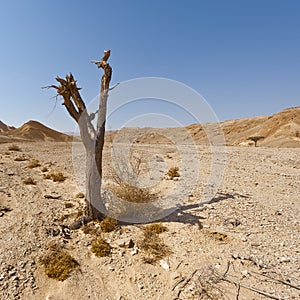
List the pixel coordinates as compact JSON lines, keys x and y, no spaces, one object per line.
{"x":247,"y":233}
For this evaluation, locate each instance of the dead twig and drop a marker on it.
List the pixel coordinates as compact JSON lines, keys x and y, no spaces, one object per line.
{"x":186,"y":281}
{"x":279,"y":280}
{"x":225,"y":278}
{"x":110,"y":89}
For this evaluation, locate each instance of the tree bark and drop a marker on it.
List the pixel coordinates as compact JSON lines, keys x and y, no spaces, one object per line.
{"x":93,"y":139}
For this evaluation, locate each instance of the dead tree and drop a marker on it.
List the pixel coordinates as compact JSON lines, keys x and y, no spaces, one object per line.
{"x":92,"y":138}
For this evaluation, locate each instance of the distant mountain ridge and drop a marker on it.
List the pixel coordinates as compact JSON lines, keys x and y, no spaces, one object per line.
{"x":34,"y":131}
{"x":279,"y":130}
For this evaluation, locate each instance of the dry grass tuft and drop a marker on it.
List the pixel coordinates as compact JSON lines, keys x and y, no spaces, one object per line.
{"x":28,"y":181}
{"x":100,"y":247}
{"x":132,"y":193}
{"x":34,"y":164}
{"x":126,"y":178}
{"x":156,"y":228}
{"x":80,"y":195}
{"x":56,"y":177}
{"x":155,"y":249}
{"x":58,"y":263}
{"x":92,"y":228}
{"x":173,"y":172}
{"x":14,"y":147}
{"x":108,"y":224}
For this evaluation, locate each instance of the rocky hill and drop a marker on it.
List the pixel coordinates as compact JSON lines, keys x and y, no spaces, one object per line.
{"x":4,"y":127}
{"x":34,"y":131}
{"x":279,"y":130}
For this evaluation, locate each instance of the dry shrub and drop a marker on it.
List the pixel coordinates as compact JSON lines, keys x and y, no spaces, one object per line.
{"x":100,"y":247}
{"x":79,"y":195}
{"x":155,"y":249}
{"x":58,"y":263}
{"x":56,"y":177}
{"x":34,"y":164}
{"x":21,"y":158}
{"x":132,"y":193}
{"x":92,"y":228}
{"x":28,"y":181}
{"x":223,"y":237}
{"x":14,"y":147}
{"x":156,"y":228}
{"x":126,"y":177}
{"x":206,"y":285}
{"x":173,"y":172}
{"x":108,"y":224}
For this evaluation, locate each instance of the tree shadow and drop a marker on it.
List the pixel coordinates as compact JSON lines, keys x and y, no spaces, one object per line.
{"x":188,"y":214}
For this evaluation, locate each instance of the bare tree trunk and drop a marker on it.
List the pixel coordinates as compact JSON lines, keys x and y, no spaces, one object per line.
{"x":93,"y":139}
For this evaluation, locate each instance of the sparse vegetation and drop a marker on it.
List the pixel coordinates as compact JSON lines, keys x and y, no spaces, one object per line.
{"x":92,"y":228}
{"x":29,"y":181}
{"x":155,"y":249}
{"x":255,"y":139}
{"x":173,"y":172}
{"x":14,"y":147}
{"x":80,"y":195}
{"x":132,"y":193}
{"x":56,"y":177}
{"x":58,"y":263}
{"x":108,"y":224}
{"x":34,"y":164}
{"x":100,"y":247}
{"x":157,"y":228}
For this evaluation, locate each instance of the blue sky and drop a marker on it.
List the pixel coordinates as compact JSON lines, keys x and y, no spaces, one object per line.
{"x":241,"y":56}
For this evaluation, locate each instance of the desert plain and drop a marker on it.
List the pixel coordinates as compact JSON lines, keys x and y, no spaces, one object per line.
{"x":243,"y":243}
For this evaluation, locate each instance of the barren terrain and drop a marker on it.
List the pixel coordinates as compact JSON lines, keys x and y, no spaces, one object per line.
{"x":246,"y":235}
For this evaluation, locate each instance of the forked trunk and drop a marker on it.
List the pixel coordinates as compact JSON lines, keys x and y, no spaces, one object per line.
{"x":92,"y":138}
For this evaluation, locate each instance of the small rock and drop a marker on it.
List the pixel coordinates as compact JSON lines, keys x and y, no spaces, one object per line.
{"x":125,"y":243}
{"x":140,"y":286}
{"x":285,"y":259}
{"x":164,"y":265}
{"x":134,"y":251}
{"x":111,"y":268}
{"x":244,"y":273}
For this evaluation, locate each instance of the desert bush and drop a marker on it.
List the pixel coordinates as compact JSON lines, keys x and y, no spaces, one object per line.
{"x":28,"y":181}
{"x":156,"y":228}
{"x":125,"y":177}
{"x":58,"y":263}
{"x":34,"y":164}
{"x":91,"y":228}
{"x":100,"y":247}
{"x":155,"y":249}
{"x":56,"y":177}
{"x":79,"y":195}
{"x":108,"y":224}
{"x":132,"y":193}
{"x":173,"y":172}
{"x":14,"y":147}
